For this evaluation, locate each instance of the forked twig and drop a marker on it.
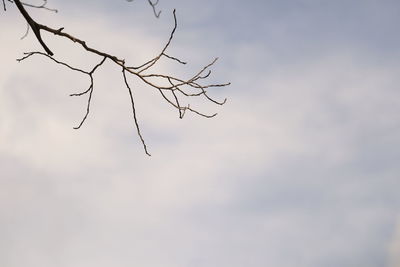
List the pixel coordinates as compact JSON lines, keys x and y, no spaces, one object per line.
{"x":41,"y":6}
{"x":153,"y":5}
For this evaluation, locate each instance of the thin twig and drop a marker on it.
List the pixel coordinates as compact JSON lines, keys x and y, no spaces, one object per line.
{"x":153,"y":5}
{"x":90,"y":90}
{"x":134,"y":112}
{"x":26,"y":32}
{"x":42,"y":6}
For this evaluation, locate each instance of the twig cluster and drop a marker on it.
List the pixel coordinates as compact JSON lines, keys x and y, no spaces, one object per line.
{"x":175,"y":89}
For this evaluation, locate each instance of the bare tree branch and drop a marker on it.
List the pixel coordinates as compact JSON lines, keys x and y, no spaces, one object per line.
{"x":171,"y":88}
{"x":153,"y":5}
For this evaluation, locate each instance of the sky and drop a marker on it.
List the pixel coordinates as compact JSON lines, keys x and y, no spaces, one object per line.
{"x":299,"y":168}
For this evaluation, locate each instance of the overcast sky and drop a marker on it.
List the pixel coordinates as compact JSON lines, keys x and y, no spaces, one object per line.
{"x":299,"y":169}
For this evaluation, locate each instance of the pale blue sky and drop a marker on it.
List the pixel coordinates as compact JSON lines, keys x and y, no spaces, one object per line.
{"x":299,"y":169}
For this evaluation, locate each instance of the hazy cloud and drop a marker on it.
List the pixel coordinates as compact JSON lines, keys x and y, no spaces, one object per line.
{"x":300,"y":168}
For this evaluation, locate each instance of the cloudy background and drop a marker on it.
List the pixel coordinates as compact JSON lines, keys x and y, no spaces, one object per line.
{"x":300,"y":168}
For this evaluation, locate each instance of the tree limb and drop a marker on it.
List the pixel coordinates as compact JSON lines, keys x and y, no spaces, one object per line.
{"x":34,"y":26}
{"x":177,"y":87}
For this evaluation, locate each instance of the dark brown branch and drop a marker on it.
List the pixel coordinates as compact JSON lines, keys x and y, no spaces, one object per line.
{"x":60,"y":32}
{"x":192,"y":87}
{"x":35,"y":26}
{"x":42,"y":6}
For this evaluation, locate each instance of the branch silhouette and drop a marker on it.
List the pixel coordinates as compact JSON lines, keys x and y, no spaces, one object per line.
{"x":171,"y":93}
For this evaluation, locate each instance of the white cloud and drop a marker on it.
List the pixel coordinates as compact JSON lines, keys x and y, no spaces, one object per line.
{"x":299,"y":168}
